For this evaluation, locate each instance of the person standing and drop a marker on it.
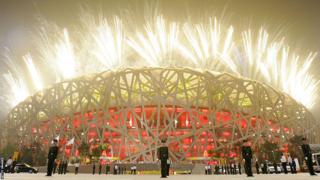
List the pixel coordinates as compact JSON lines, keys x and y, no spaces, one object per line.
{"x":76,"y":166}
{"x":93,"y":168}
{"x":257,"y":167}
{"x":100,"y":168}
{"x":231,"y":168}
{"x":163,"y":155}
{"x":216,"y":169}
{"x":283,"y":160}
{"x":290,"y":163}
{"x":135,"y":169}
{"x":275,"y":166}
{"x":227,"y":168}
{"x":247,"y":156}
{"x":239,"y":167}
{"x":294,"y":166}
{"x":52,"y":155}
{"x":265,"y":167}
{"x":65,"y":168}
{"x":107,"y":168}
{"x":307,"y":156}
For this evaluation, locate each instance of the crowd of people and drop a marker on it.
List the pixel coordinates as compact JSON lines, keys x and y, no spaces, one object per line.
{"x":247,"y":156}
{"x":288,"y":163}
{"x":231,"y":168}
{"x":60,"y":166}
{"x":263,"y":166}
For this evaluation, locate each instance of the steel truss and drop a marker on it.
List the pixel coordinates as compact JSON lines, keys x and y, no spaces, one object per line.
{"x":132,"y":109}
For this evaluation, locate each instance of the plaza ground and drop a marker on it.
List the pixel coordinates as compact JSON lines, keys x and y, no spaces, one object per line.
{"x":40,"y":176}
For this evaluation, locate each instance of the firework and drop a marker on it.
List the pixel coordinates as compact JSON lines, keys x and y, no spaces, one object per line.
{"x":207,"y":46}
{"x":33,"y":72}
{"x":158,"y":43}
{"x":18,"y":89}
{"x":100,"y":44}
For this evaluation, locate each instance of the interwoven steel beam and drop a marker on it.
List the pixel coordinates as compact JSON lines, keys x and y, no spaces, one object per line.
{"x":132,"y":109}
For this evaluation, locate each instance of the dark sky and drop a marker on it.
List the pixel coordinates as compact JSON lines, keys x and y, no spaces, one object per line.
{"x":299,"y":20}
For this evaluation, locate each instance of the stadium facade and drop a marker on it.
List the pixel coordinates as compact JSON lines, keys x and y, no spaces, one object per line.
{"x":202,"y":114}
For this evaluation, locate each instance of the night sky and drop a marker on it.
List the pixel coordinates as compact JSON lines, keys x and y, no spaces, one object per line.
{"x":297,"y":20}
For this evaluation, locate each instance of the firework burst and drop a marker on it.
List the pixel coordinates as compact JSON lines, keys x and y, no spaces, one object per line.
{"x":100,"y":44}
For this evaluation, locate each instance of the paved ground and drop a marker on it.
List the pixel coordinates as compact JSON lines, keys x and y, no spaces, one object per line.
{"x":301,"y":176}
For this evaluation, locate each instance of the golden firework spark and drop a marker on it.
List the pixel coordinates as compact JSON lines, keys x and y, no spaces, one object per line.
{"x":103,"y":44}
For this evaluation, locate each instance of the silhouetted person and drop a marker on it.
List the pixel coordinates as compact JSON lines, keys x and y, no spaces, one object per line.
{"x":307,"y":156}
{"x":134,"y":169}
{"x":227,"y":169}
{"x":265,"y":167}
{"x":93,"y":168}
{"x":257,"y":167}
{"x":100,"y":168}
{"x":216,"y":169}
{"x":239,"y":167}
{"x":163,"y":155}
{"x":115,"y":169}
{"x":76,"y":166}
{"x":107,"y":168}
{"x":65,"y":167}
{"x":208,"y":169}
{"x":247,"y":156}
{"x":52,"y":155}
{"x":275,"y":166}
{"x":234,"y":168}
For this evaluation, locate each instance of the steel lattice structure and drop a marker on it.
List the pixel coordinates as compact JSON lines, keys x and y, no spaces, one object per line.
{"x":132,"y":109}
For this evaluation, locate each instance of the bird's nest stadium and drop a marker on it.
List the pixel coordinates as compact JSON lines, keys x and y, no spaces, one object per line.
{"x":201,"y":113}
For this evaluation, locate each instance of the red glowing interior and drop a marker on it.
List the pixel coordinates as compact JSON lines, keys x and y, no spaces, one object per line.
{"x":200,"y":144}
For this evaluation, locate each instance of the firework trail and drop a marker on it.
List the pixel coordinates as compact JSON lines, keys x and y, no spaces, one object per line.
{"x":36,"y":79}
{"x":158,"y":43}
{"x":100,"y":43}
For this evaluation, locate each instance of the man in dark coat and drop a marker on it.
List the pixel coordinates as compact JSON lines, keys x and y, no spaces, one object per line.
{"x":163,"y":155}
{"x":307,"y":156}
{"x":247,"y":156}
{"x":100,"y":168}
{"x":52,"y":155}
{"x":107,"y":168}
{"x":93,"y":168}
{"x":239,"y":167}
